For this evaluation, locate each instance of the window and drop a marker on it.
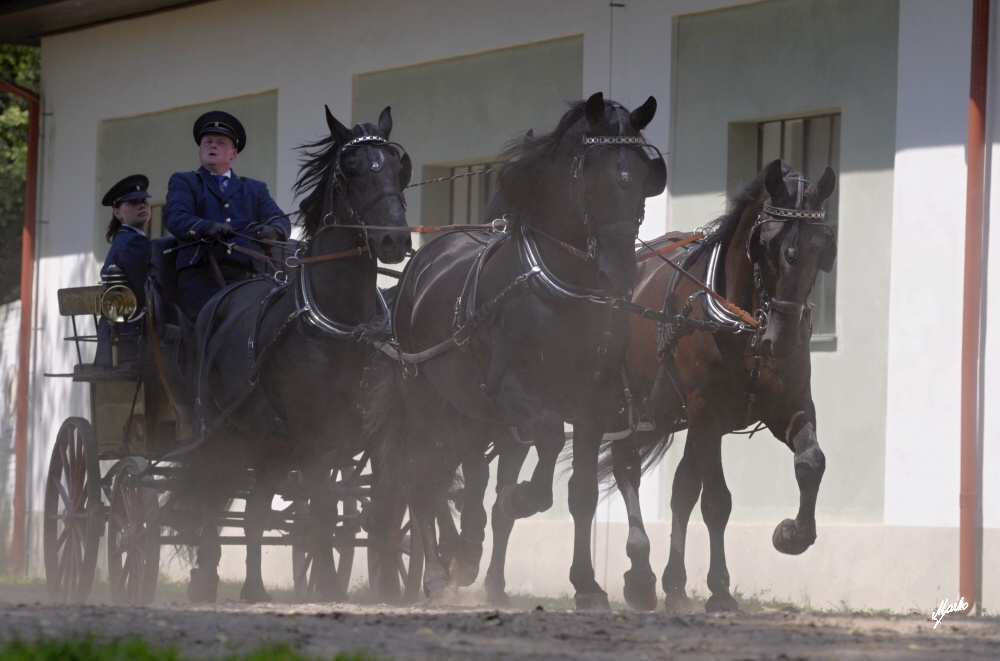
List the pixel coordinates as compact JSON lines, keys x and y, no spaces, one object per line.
{"x":810,"y":144}
{"x":472,"y":187}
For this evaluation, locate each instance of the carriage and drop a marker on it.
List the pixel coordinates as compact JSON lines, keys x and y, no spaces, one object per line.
{"x":107,"y":474}
{"x":117,"y":474}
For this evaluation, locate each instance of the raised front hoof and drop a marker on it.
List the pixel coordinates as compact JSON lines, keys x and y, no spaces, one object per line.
{"x":594,"y":601}
{"x":516,"y":502}
{"x":203,"y":587}
{"x":255,"y":595}
{"x":677,"y":603}
{"x":462,"y":572}
{"x":640,"y":590}
{"x":721,"y":603}
{"x":791,"y":538}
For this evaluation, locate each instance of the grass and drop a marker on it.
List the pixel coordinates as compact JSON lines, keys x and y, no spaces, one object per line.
{"x":135,"y":649}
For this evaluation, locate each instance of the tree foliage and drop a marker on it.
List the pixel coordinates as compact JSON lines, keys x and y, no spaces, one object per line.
{"x":18,"y":65}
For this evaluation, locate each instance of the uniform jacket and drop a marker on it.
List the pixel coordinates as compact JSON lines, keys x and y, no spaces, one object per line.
{"x":130,"y":253}
{"x":194,"y":198}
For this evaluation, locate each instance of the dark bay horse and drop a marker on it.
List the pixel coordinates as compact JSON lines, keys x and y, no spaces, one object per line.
{"x":281,"y":363}
{"x":520,"y":329}
{"x":705,"y":369}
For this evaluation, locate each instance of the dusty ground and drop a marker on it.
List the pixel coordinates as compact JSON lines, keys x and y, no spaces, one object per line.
{"x":423,"y":632}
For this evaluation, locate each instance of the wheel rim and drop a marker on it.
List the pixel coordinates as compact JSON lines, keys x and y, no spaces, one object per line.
{"x":74,"y":513}
{"x":133,"y":538}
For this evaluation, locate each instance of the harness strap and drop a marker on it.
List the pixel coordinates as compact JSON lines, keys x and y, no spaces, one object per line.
{"x":464,"y":331}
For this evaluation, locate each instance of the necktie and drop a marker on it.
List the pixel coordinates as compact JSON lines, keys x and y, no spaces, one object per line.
{"x":222,"y":180}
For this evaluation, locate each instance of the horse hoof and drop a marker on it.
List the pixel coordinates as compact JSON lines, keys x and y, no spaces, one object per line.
{"x":640,"y":590}
{"x":788,"y":538}
{"x":462,"y":574}
{"x":677,"y":603}
{"x":255,"y":596}
{"x":497,"y":599}
{"x":597,"y":601}
{"x":513,"y":506}
{"x":203,"y":587}
{"x":721,"y":604}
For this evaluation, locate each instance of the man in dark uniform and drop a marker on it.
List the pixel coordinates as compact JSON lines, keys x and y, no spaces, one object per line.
{"x":211,"y":207}
{"x":128,"y":257}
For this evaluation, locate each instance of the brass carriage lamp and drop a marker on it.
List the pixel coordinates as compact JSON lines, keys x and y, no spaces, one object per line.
{"x":118,"y":304}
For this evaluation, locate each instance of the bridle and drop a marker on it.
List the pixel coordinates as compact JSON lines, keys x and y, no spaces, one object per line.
{"x":773,"y":214}
{"x":625,"y":227}
{"x":373,"y":145}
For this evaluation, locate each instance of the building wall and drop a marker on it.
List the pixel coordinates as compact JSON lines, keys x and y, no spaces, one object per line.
{"x":889,"y":503}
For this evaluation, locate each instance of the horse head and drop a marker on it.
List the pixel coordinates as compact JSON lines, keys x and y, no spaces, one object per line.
{"x":788,"y":246}
{"x":614,"y":171}
{"x":363,"y":176}
{"x":585,"y":185}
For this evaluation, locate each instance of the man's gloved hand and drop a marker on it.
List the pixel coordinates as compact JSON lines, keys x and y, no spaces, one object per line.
{"x":269,"y":233}
{"x":218,"y":231}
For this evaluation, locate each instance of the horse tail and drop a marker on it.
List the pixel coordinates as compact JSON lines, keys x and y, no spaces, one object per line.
{"x":202,"y":487}
{"x":650,"y":446}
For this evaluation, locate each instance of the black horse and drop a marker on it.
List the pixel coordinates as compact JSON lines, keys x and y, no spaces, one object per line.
{"x":521,"y":329}
{"x":710,"y":371}
{"x":280,"y":365}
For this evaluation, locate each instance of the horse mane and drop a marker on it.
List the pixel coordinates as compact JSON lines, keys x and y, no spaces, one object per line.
{"x":725,"y":225}
{"x":527,"y":158}
{"x":319,"y":158}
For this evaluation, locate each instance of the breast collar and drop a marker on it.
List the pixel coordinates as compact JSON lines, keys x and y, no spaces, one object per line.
{"x":531,"y":259}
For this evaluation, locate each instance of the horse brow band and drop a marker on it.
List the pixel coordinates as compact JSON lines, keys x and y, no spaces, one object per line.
{"x":614,"y":140}
{"x":793,"y":214}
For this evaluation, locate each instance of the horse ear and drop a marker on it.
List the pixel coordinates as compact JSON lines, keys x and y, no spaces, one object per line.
{"x":595,"y":108}
{"x":643,"y":115}
{"x":337,"y":130}
{"x":774,"y":180}
{"x":825,"y":185}
{"x":385,"y":121}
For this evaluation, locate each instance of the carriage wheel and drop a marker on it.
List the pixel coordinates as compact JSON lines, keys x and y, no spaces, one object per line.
{"x":409,"y":561}
{"x":133,"y":538}
{"x":312,"y":559}
{"x":74,"y":513}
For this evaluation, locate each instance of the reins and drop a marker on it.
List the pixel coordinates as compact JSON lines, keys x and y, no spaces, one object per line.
{"x":732,"y":307}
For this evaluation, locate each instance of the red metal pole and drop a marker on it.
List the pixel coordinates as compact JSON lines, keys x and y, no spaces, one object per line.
{"x":18,"y":564}
{"x":970,"y":495}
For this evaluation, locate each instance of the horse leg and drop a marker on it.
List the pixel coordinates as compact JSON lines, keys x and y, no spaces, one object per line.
{"x":468,"y":549}
{"x":204,"y":585}
{"x":716,"y":506}
{"x":794,"y":536}
{"x":684,"y":494}
{"x":583,"y":494}
{"x":423,"y":504}
{"x":384,"y":517}
{"x":321,"y":522}
{"x":255,"y":521}
{"x":640,"y":580}
{"x":511,"y":458}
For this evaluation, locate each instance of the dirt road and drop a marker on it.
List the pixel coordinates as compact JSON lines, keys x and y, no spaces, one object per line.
{"x":204,"y":632}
